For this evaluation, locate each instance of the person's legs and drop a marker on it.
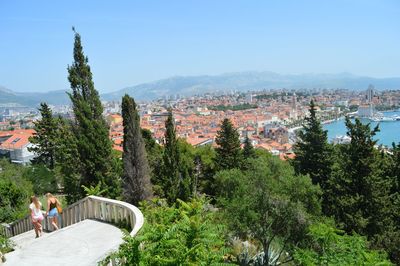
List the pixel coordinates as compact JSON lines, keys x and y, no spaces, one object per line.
{"x":53,"y":218}
{"x":40,"y":227}
{"x":36,"y":227}
{"x":54,"y":222}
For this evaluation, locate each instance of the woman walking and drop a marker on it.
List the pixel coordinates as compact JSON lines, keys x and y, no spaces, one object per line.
{"x":52,"y":212}
{"x":36,"y":214}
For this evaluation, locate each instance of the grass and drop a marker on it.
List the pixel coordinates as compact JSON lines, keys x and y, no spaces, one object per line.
{"x":5,"y":245}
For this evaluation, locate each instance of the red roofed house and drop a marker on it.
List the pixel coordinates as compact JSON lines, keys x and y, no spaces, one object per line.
{"x":199,"y":141}
{"x":15,"y":144}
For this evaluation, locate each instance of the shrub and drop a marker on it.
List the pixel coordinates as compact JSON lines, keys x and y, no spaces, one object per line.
{"x":183,"y":234}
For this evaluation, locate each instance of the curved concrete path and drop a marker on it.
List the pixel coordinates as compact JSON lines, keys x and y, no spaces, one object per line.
{"x":84,"y":243}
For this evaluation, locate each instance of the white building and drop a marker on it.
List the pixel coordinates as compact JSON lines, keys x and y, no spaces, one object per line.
{"x":341,"y":140}
{"x":15,"y":144}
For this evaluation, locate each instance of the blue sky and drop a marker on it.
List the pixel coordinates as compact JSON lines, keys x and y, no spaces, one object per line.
{"x":130,"y":42}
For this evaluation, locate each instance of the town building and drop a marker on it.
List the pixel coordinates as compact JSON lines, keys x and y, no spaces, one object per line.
{"x":15,"y":144}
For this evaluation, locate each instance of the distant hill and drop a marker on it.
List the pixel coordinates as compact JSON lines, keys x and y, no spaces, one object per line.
{"x":244,"y":81}
{"x":32,"y":99}
{"x":190,"y":85}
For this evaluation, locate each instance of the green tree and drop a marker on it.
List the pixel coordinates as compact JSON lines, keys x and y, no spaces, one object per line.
{"x":229,"y":154}
{"x":205,"y":169}
{"x":248,"y":153}
{"x":14,"y":192}
{"x":155,"y":158}
{"x":136,"y":177}
{"x":356,"y":191}
{"x":389,"y":238}
{"x":330,"y":246}
{"x":42,"y":178}
{"x":176,"y":179}
{"x":171,"y":175}
{"x":44,"y":139}
{"x":186,"y":169}
{"x":69,"y":163}
{"x":362,"y":196}
{"x":90,"y":129}
{"x":183,"y":234}
{"x":270,"y":204}
{"x":313,"y":153}
{"x":248,"y":149}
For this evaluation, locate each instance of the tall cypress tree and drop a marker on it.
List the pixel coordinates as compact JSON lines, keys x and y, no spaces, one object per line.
{"x":90,"y":129}
{"x":136,"y":176}
{"x":313,"y":153}
{"x":171,"y":159}
{"x":229,"y":154}
{"x":45,"y":138}
{"x":176,"y":183}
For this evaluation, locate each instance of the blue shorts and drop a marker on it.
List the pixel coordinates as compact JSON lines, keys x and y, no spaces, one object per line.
{"x":53,"y":213}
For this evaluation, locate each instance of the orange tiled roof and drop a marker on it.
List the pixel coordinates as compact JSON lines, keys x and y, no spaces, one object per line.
{"x":118,"y":148}
{"x":16,"y":141}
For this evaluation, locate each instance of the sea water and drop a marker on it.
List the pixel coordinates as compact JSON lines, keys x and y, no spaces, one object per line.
{"x":389,"y":131}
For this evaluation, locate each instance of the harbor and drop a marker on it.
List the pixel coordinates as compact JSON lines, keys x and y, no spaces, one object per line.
{"x":389,"y":126}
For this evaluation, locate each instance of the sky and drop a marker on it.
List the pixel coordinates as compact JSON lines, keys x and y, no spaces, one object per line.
{"x":131,"y":42}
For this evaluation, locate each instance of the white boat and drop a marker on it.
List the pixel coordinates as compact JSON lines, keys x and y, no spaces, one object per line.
{"x":396,"y":117}
{"x":382,"y":119}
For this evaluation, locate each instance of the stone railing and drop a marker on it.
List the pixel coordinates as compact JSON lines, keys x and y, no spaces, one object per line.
{"x":116,"y":212}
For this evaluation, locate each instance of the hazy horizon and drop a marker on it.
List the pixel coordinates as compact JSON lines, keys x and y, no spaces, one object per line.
{"x":218,"y":74}
{"x":130,"y":43}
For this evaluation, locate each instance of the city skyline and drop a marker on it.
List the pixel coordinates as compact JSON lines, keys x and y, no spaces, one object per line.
{"x":131,"y":43}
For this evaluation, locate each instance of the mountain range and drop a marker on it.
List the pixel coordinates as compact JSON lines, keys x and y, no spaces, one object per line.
{"x":190,"y":85}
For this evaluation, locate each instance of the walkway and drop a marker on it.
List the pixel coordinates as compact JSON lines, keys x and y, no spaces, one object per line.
{"x":84,"y":243}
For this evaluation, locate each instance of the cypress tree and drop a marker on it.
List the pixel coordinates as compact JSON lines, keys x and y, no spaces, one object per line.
{"x":313,"y":153}
{"x":154,"y":153}
{"x":136,"y":176}
{"x":90,"y":129}
{"x":228,"y":151}
{"x":45,"y":137}
{"x":171,"y":160}
{"x":248,"y":149}
{"x":176,"y":181}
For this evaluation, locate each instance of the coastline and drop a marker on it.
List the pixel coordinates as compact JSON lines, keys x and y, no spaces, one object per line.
{"x":324,"y":122}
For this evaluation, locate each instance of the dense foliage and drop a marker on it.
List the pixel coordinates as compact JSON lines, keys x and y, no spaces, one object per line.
{"x":176,"y":179}
{"x":269,"y":204}
{"x":184,"y":234}
{"x":229,"y":154}
{"x":330,"y":246}
{"x":5,"y":246}
{"x":45,"y":137}
{"x":359,"y":182}
{"x":313,"y":153}
{"x":15,"y":191}
{"x":239,"y":107}
{"x":136,"y":175}
{"x":94,"y":148}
